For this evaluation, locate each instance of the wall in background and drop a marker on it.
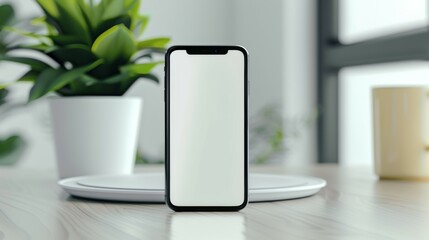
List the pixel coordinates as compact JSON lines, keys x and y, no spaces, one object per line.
{"x":299,"y":74}
{"x":281,"y":41}
{"x":279,"y":35}
{"x":261,"y":32}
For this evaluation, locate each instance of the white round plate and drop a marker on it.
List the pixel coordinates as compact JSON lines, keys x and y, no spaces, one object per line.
{"x":149,"y":187}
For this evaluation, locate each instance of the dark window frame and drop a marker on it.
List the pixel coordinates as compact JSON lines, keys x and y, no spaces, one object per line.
{"x":333,"y":56}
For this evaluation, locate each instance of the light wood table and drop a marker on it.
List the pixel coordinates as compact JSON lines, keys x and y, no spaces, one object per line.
{"x":354,"y":205}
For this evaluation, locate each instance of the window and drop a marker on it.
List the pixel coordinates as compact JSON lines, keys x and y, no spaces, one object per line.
{"x":366,"y":32}
{"x":366,"y":19}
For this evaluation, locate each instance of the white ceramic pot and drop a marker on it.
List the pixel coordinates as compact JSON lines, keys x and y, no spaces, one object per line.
{"x":95,"y":135}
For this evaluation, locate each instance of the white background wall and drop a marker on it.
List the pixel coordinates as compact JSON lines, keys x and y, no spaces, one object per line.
{"x":280,"y":36}
{"x":299,"y":74}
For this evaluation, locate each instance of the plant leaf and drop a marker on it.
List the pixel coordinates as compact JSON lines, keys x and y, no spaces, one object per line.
{"x":49,"y":7}
{"x":132,"y":7}
{"x":159,"y":42}
{"x":71,"y":21}
{"x":3,"y":94}
{"x":110,"y":86}
{"x":150,"y":76}
{"x":43,"y":21}
{"x":29,"y":76}
{"x":86,"y":12}
{"x":81,"y":84}
{"x":135,"y":71}
{"x":112,"y":9}
{"x":11,"y":149}
{"x":67,"y":18}
{"x":37,"y":47}
{"x":117,"y":78}
{"x":46,"y":82}
{"x":76,"y":54}
{"x":6,"y":14}
{"x":139,"y":24}
{"x":141,"y":56}
{"x":84,"y":86}
{"x":127,"y":83}
{"x":53,"y":79}
{"x":39,"y":37}
{"x":105,"y":70}
{"x":35,"y":64}
{"x":147,"y":53}
{"x":63,"y":40}
{"x":3,"y":87}
{"x":109,"y":11}
{"x":115,"y":45}
{"x":139,"y":68}
{"x":107,"y":24}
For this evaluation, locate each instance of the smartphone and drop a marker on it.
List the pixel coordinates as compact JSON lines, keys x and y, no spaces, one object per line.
{"x":206,"y":111}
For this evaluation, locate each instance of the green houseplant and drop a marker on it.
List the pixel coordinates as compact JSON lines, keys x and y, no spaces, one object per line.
{"x":92,"y":54}
{"x":94,"y":49}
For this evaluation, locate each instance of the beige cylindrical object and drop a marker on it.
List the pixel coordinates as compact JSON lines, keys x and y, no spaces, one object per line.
{"x":401,"y":132}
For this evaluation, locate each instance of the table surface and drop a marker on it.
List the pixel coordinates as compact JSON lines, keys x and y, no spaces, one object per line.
{"x":354,"y":205}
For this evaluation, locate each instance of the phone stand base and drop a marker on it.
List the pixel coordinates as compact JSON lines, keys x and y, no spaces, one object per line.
{"x":149,"y":187}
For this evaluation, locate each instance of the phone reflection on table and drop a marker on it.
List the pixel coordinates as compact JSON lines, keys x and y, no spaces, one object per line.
{"x":207,"y":226}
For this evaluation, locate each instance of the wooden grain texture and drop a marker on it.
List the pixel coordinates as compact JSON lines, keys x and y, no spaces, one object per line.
{"x":354,"y":205}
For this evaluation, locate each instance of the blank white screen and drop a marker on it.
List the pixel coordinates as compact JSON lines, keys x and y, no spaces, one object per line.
{"x":207,"y":129}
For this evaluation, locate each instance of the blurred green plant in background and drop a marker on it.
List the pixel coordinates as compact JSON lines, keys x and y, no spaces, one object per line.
{"x":271,"y":135}
{"x":11,"y":147}
{"x":142,"y":158}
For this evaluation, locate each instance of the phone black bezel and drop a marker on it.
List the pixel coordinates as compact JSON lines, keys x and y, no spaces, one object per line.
{"x":209,"y":50}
